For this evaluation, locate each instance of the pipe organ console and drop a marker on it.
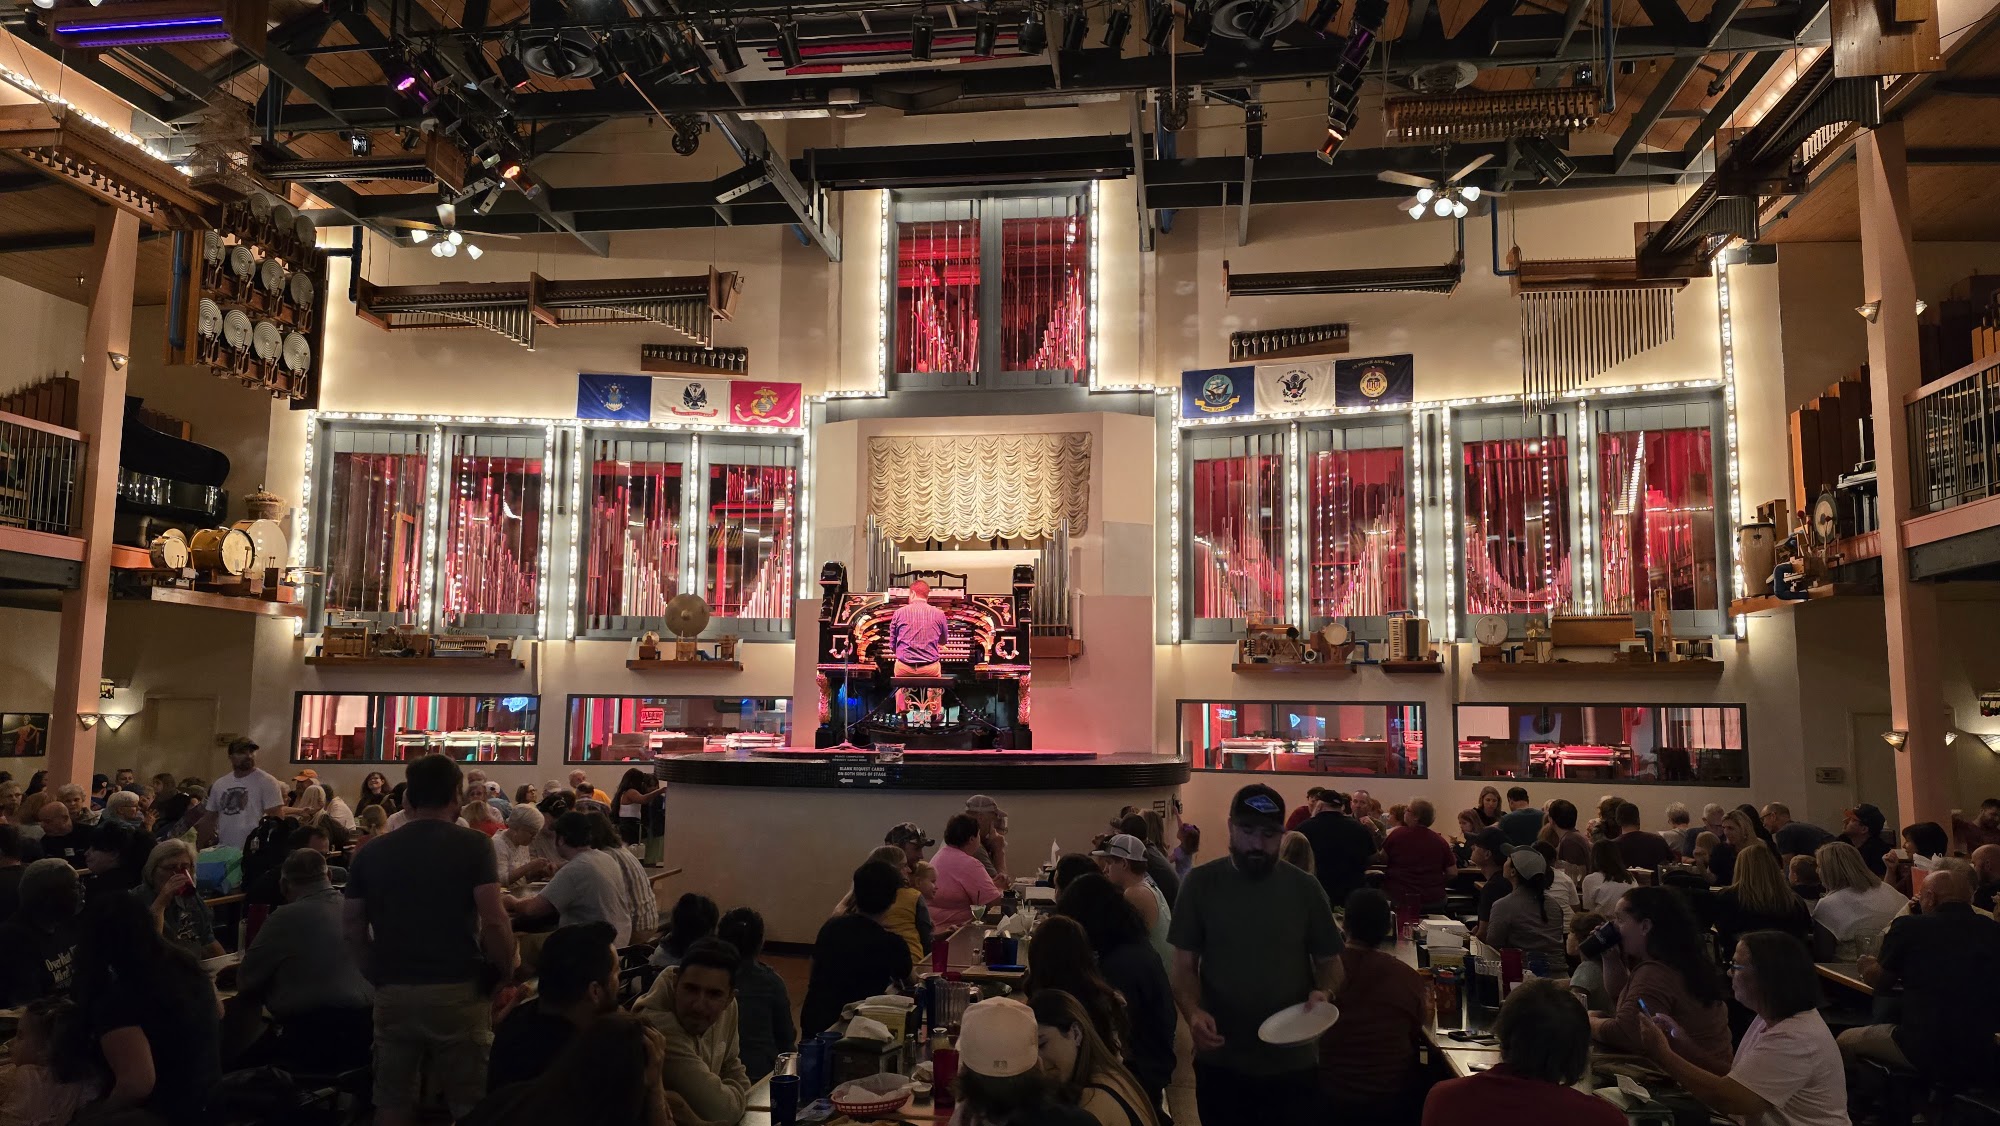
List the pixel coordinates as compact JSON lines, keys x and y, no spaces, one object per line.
{"x":986,"y":682}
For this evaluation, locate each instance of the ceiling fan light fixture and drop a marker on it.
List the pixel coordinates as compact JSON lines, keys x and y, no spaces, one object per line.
{"x":1470,"y":192}
{"x":420,"y":236}
{"x":1416,"y":211}
{"x":1441,"y":207}
{"x":1425,"y":195}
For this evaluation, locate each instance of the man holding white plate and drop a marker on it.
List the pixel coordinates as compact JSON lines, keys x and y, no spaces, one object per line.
{"x":1253,"y":938}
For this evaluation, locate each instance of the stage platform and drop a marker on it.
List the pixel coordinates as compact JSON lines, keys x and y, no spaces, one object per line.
{"x":954,"y":770}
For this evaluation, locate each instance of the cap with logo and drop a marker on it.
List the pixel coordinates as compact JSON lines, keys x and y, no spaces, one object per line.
{"x":1124,"y":846}
{"x":907,"y":833}
{"x":1258,"y":805}
{"x":997,"y":1038}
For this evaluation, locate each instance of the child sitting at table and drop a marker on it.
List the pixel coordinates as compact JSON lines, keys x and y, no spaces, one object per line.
{"x":924,"y":878}
{"x":58,"y":1068}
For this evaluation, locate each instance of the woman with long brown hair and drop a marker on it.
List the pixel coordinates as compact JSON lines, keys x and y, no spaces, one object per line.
{"x":1490,"y":806}
{"x":1063,"y":960}
{"x":1084,"y":1067}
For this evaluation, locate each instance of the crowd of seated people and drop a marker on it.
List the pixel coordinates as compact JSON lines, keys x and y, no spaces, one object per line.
{"x":490,"y":964}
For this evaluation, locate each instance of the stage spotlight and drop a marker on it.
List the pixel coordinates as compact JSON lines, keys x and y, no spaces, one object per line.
{"x":687,"y":133}
{"x":530,"y":187}
{"x":514,"y":72}
{"x":406,"y":82}
{"x":1550,"y":162}
{"x":723,"y":38}
{"x":511,"y":169}
{"x":1200,"y":20}
{"x":985,"y":33}
{"x":410,"y":138}
{"x":1033,"y":38}
{"x":682,"y":54}
{"x":788,"y":45}
{"x":490,"y":200}
{"x":1076,"y":29}
{"x":1322,"y":16}
{"x":360,"y":144}
{"x":1159,"y":25}
{"x":922,"y":29}
{"x":1117,"y":25}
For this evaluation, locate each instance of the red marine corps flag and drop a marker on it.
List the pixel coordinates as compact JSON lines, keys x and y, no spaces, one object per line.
{"x":754,"y":402}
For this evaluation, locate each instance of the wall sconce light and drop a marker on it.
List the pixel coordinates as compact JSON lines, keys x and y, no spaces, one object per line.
{"x":1870,"y":311}
{"x":1895,"y":739}
{"x":1992,"y":743}
{"x":119,"y":360}
{"x":116,"y":721}
{"x":1921,"y":306}
{"x":1950,"y":737}
{"x":87,"y":719}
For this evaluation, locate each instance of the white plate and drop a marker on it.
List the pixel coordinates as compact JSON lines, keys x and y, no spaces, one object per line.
{"x":1297,"y":1026}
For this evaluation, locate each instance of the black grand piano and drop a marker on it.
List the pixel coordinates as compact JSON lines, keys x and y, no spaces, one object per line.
{"x":165,"y":481}
{"x":985,"y":688}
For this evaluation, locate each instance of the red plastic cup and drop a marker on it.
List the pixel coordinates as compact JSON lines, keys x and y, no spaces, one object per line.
{"x":944,"y":1071}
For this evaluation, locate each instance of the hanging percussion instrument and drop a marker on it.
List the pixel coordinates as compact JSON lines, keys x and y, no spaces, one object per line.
{"x":224,"y":551}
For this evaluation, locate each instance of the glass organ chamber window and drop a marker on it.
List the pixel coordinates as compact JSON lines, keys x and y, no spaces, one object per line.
{"x":751,"y":523}
{"x":635,"y":556}
{"x":641,"y":728}
{"x":1373,"y":740}
{"x":373,"y":521}
{"x":1515,"y":516}
{"x":994,"y":284}
{"x":1656,"y":508}
{"x":1356,"y":516}
{"x":1584,"y":742}
{"x":398,"y":728}
{"x":1236,"y":559}
{"x":491,"y":539}
{"x":1044,"y":274}
{"x":937,"y":286}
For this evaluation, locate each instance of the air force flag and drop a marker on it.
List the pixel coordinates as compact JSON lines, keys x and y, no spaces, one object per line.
{"x":618,"y":398}
{"x":1299,"y":386}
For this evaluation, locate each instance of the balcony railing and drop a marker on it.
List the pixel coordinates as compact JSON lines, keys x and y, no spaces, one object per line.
{"x":40,"y":465}
{"x":1955,"y":438}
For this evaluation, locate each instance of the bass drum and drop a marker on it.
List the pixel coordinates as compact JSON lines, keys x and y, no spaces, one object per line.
{"x":267,"y":539}
{"x":169,"y":550}
{"x":222,"y":551}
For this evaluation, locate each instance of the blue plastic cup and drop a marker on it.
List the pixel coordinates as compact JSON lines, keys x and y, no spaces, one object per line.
{"x":784,"y":1100}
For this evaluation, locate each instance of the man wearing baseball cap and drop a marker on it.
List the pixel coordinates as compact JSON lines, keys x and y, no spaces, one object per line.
{"x":1252,"y":936}
{"x":1123,"y":862}
{"x":1489,"y":855}
{"x":909,"y":836}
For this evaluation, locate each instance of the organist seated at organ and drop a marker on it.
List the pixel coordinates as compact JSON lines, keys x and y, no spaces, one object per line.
{"x":924,"y":663}
{"x":916,"y":642}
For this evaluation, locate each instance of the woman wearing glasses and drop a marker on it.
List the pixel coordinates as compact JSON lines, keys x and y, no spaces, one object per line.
{"x":1787,"y":1070}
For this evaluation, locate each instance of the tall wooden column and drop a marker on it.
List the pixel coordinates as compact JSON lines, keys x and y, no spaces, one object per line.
{"x":101,"y":418}
{"x":1926,"y":778}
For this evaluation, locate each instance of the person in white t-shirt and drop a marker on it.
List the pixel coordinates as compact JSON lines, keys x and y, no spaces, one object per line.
{"x":240,"y":799}
{"x":1787,"y":1070}
{"x":1857,"y":906}
{"x":588,"y":888}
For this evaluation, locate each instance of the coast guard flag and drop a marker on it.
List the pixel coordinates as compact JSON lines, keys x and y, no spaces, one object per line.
{"x":689,"y":400}
{"x":1301,"y":386}
{"x":621,"y":398}
{"x":1374,"y":381}
{"x":1218,"y":392}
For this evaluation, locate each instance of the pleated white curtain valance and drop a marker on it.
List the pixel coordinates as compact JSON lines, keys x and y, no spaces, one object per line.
{"x":979,"y":486}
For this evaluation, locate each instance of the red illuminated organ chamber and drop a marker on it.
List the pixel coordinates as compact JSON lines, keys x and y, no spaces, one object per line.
{"x":1356,"y":542}
{"x":375,"y":527}
{"x":1517,"y":549}
{"x":1657,"y":509}
{"x":493,"y":533}
{"x":750,"y":537}
{"x":634,"y":564}
{"x":1043,"y":306}
{"x":1238,"y":556}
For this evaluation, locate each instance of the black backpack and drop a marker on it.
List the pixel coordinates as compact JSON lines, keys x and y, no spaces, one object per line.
{"x":264,"y":848}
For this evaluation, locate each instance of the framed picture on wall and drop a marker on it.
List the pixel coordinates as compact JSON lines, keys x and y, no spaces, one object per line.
{"x":24,"y":734}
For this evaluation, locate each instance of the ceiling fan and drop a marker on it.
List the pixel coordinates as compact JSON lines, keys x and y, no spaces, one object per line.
{"x":1446,"y":198}
{"x":449,"y":239}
